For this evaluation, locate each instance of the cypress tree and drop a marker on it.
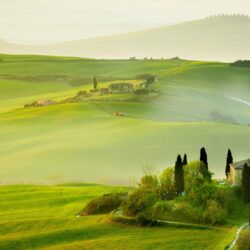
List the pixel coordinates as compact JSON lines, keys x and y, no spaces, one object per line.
{"x":228,"y":162}
{"x":245,"y":187}
{"x":203,"y":157}
{"x":185,"y":162}
{"x":179,"y":176}
{"x":245,"y":183}
{"x":95,"y":83}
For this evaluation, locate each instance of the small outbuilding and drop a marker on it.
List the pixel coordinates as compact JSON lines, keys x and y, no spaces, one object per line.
{"x":104,"y":90}
{"x":235,"y":175}
{"x":119,"y":88}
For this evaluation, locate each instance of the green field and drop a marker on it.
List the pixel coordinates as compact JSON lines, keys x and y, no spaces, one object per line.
{"x":84,"y":141}
{"x":43,"y":217}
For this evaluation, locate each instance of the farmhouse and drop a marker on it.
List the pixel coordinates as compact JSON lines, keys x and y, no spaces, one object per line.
{"x":104,"y":90}
{"x":236,"y":168}
{"x":45,"y":102}
{"x":119,"y":88}
{"x":40,"y":103}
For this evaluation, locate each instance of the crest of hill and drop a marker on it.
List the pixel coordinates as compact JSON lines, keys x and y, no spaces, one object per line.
{"x":216,"y":38}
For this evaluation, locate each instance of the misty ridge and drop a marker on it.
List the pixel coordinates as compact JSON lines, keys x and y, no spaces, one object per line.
{"x":215,"y":38}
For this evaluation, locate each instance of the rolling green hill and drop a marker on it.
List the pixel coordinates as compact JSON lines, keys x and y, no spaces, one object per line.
{"x":198,"y":106}
{"x":222,"y":38}
{"x":43,"y":217}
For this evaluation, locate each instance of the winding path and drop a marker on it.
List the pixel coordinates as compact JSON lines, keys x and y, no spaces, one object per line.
{"x":241,"y":101}
{"x":118,"y":213}
{"x":233,"y":244}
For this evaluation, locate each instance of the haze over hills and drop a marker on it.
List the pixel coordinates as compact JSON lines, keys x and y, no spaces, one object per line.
{"x":192,"y":104}
{"x":222,"y":38}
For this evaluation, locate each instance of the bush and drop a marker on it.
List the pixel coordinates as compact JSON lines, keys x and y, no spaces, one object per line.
{"x":149,"y":78}
{"x":200,"y":194}
{"x":144,"y":220}
{"x":104,"y":204}
{"x":82,"y":93}
{"x":186,"y":210}
{"x":161,"y":207}
{"x":138,"y":202}
{"x":214,"y":213}
{"x":142,"y":92}
{"x":244,"y":241}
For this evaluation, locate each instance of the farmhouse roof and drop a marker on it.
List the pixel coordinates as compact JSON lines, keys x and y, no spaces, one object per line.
{"x":117,"y":85}
{"x":240,"y":164}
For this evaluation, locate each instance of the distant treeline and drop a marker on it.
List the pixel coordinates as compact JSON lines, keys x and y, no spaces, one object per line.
{"x":241,"y":63}
{"x":228,"y":15}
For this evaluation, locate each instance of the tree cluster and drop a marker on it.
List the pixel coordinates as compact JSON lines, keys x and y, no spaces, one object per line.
{"x":241,"y":63}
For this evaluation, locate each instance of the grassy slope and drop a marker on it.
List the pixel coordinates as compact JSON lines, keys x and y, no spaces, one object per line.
{"x":85,"y":140}
{"x":191,"y":90}
{"x":44,"y":218}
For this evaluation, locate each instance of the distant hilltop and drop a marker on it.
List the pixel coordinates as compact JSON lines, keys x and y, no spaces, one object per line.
{"x":229,"y":15}
{"x":215,"y":38}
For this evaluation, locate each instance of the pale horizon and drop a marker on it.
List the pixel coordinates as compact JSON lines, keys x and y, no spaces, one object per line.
{"x":43,"y":21}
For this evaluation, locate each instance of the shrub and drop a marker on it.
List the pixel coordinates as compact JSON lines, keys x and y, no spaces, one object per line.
{"x":223,"y":196}
{"x":244,"y":241}
{"x":161,"y":207}
{"x":186,"y":210}
{"x":142,"y":92}
{"x":138,"y":202}
{"x":104,"y":204}
{"x":82,"y":93}
{"x":149,"y":78}
{"x":200,"y":194}
{"x":214,"y":214}
{"x":145,"y":220}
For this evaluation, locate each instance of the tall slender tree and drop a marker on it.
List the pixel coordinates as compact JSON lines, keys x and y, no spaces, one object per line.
{"x":229,"y":161}
{"x":245,"y":186}
{"x":203,"y":157}
{"x":245,"y":183}
{"x":95,"y":83}
{"x":179,"y":176}
{"x":185,"y":162}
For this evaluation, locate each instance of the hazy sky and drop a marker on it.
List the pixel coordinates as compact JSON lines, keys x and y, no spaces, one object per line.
{"x":42,"y":21}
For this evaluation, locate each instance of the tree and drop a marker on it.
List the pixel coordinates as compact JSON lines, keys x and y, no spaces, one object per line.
{"x":245,"y":183}
{"x":204,"y":165}
{"x":95,"y":83}
{"x":149,"y":183}
{"x":179,"y":176}
{"x":185,"y":162}
{"x":203,"y":157}
{"x":193,"y":175}
{"x":149,"y":79}
{"x":228,"y":162}
{"x":245,"y":186}
{"x":167,"y":188}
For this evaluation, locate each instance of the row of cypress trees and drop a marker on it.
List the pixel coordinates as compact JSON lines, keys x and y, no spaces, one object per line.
{"x":179,"y":174}
{"x":179,"y":170}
